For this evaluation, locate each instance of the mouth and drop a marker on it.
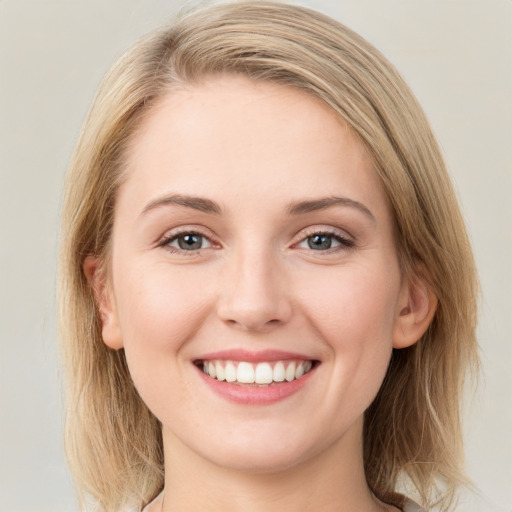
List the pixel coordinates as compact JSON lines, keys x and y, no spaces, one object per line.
{"x":252,"y":374}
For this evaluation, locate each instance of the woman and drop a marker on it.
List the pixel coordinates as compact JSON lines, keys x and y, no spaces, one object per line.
{"x":268,"y":296}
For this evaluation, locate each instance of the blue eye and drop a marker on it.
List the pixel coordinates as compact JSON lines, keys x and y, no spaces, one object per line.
{"x":319,"y":242}
{"x":188,"y":242}
{"x":325,"y":241}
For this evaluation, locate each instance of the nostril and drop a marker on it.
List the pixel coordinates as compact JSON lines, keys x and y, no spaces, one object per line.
{"x":253,"y":305}
{"x":252,"y":324}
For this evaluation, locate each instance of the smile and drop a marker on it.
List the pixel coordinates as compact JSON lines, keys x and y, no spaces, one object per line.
{"x":256,"y":374}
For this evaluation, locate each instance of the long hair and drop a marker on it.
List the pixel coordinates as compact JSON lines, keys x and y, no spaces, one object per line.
{"x":412,"y":430}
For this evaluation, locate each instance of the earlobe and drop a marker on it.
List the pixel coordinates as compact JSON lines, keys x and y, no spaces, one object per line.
{"x":105,"y":302}
{"x":416,"y":309}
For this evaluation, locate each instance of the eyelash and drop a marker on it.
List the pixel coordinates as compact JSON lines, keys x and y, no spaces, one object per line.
{"x":166,"y":242}
{"x":344,"y":242}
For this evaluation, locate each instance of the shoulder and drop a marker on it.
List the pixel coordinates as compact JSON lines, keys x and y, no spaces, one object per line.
{"x":153,"y":505}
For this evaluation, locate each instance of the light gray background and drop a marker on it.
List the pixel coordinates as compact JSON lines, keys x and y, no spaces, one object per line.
{"x":456,"y":55}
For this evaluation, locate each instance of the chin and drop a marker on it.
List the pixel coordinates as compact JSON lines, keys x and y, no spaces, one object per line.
{"x":263,"y":454}
{"x":262,"y":462}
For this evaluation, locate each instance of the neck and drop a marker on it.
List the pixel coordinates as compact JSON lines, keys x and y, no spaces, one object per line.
{"x":333,"y":480}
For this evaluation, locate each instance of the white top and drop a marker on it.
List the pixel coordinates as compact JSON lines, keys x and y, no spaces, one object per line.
{"x":410,"y":506}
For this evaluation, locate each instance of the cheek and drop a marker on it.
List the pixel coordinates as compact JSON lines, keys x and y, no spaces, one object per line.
{"x":153,"y":300}
{"x":354,"y":303}
{"x":355,"y":316}
{"x":159,"y":312}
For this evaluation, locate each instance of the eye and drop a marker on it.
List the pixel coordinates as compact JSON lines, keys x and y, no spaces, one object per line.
{"x":325,"y":241}
{"x":187,"y":241}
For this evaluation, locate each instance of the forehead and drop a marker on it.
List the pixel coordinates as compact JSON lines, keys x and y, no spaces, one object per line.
{"x":232,"y":135}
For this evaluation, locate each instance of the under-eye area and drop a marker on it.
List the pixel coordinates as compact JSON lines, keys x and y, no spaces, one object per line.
{"x":256,"y":374}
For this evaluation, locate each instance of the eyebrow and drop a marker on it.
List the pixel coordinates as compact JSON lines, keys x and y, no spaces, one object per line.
{"x":327,"y":202}
{"x":208,"y":206}
{"x":196,"y":203}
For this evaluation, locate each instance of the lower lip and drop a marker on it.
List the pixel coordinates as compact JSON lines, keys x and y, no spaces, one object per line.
{"x":255,"y":395}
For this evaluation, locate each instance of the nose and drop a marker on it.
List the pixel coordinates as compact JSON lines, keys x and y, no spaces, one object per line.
{"x":254,"y":296}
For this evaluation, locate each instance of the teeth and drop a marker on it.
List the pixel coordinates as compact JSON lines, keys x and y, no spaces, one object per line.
{"x":245,"y":373}
{"x":278,"y":375}
{"x":230,"y":372}
{"x":219,"y":370}
{"x":290,"y":372}
{"x":263,"y":373}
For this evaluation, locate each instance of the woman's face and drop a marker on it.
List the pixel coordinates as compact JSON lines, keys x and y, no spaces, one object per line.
{"x":252,"y":240}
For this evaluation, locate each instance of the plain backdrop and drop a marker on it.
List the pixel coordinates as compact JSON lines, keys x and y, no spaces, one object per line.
{"x":455,"y":54}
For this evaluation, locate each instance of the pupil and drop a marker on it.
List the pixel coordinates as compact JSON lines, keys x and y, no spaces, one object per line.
{"x":190,"y":242}
{"x":318,"y":242}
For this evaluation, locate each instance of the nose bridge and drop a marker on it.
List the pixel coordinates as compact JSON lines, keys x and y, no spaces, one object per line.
{"x":254,"y":295}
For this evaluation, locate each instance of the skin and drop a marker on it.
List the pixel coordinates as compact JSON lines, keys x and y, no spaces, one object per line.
{"x":255,"y":148}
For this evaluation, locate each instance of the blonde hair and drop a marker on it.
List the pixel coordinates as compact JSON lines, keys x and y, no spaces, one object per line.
{"x":413,"y":427}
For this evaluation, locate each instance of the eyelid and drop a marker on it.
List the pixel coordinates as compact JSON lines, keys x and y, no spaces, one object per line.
{"x":345,"y":239}
{"x":174,"y":233}
{"x":176,"y":238}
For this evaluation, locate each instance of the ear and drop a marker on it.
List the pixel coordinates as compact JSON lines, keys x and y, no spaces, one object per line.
{"x":416,"y":308}
{"x":105,"y":302}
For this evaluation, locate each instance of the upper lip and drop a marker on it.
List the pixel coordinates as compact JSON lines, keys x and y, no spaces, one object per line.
{"x":236,"y":354}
